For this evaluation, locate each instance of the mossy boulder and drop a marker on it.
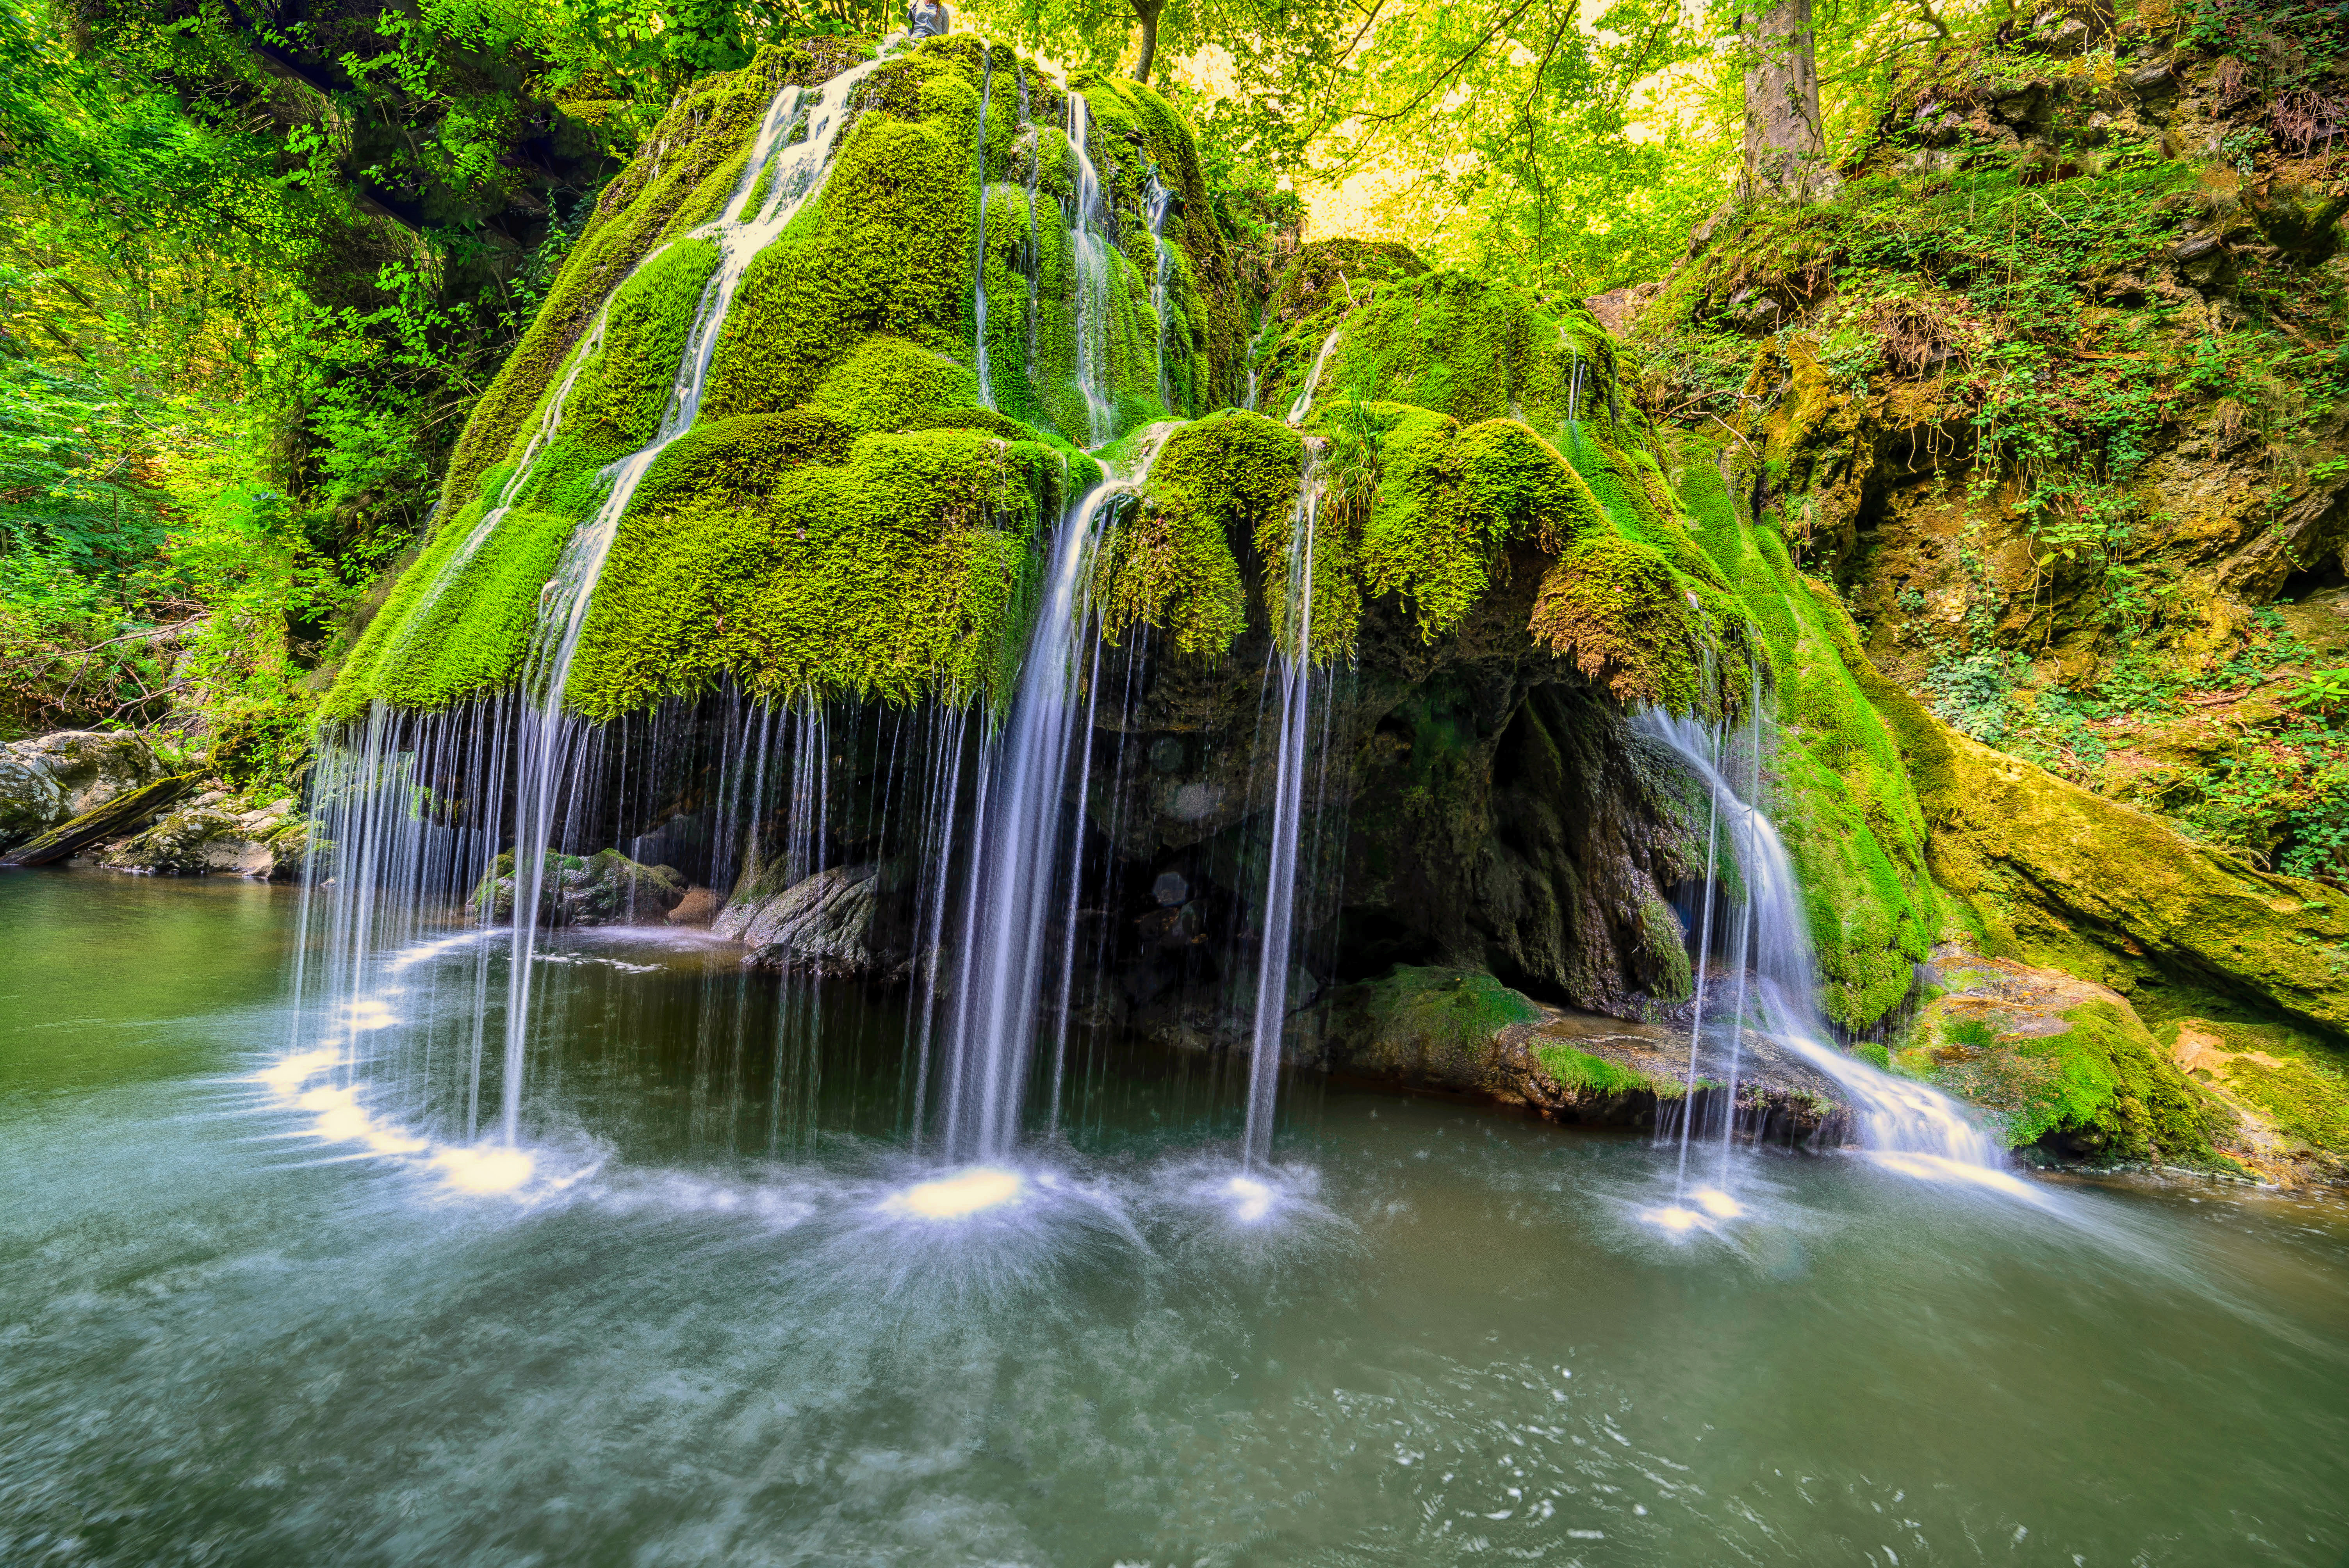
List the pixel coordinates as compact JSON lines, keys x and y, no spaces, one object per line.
{"x":1463,"y":1031}
{"x":855,"y":511}
{"x":2061,"y":876}
{"x":603,"y":889}
{"x":2066,"y":1066}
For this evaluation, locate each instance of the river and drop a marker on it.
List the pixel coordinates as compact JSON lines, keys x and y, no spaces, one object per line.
{"x":710,"y":1328}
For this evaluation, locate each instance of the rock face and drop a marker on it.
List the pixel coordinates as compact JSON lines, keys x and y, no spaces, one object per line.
{"x":210,"y":834}
{"x":50,"y":779}
{"x":2065,"y":1065}
{"x":602,"y":889}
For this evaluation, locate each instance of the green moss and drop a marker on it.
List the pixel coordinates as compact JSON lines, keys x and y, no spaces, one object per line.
{"x":1665,"y":949}
{"x":1453,"y":1009}
{"x":1169,"y":563}
{"x":1573,"y":1069}
{"x":460,"y":622}
{"x":707,"y":128}
{"x":1449,"y":503}
{"x":1473,"y":348}
{"x":884,"y":251}
{"x":2302,"y":1098}
{"x":757,"y":552}
{"x":1620,"y":612}
{"x":2103,"y":1084}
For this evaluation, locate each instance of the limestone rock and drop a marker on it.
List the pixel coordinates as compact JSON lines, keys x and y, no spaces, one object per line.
{"x":821,"y":924}
{"x":212,"y":833}
{"x":50,"y":779}
{"x":2065,"y":1065}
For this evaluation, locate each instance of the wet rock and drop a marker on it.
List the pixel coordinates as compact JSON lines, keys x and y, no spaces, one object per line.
{"x":213,"y":833}
{"x":602,"y":889}
{"x":2155,"y":85}
{"x":49,"y":779}
{"x":2301,"y":220}
{"x":1464,"y":1032}
{"x":822,"y":924}
{"x":2202,"y":259}
{"x":699,"y":907}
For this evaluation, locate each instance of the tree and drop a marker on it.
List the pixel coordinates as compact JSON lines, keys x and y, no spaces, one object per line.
{"x":1147,"y":12}
{"x":1785,"y":139}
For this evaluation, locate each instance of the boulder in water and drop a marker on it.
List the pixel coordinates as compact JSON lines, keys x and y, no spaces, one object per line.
{"x":822,"y":924}
{"x":212,"y":833}
{"x":603,"y":889}
{"x":1466,"y":1031}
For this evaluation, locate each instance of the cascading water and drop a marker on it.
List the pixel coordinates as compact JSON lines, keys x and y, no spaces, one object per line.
{"x":1017,"y":852}
{"x":1092,"y":262}
{"x":1304,"y":403}
{"x":549,"y":744}
{"x":1912,"y":1126}
{"x":1157,"y":201}
{"x":400,"y":866}
{"x":1293,"y":667}
{"x":979,"y":271}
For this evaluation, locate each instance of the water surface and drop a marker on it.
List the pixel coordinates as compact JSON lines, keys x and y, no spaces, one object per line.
{"x":708,"y":1329}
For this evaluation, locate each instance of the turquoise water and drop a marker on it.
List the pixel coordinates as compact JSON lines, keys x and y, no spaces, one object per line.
{"x":706,"y":1330}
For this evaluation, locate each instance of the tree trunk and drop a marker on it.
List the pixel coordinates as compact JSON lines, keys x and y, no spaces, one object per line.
{"x":1786,"y":142}
{"x":1148,"y":11}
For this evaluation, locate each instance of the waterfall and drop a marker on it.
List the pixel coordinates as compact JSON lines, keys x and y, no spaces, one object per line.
{"x":1092,"y":263}
{"x":1016,"y":853}
{"x":1292,"y":659}
{"x":979,"y":282}
{"x":1304,"y":403}
{"x":1158,"y":200}
{"x":387,"y":794}
{"x":1917,"y":1127}
{"x":550,"y":739}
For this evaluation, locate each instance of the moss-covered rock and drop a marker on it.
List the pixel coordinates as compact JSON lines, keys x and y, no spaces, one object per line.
{"x":603,"y":889}
{"x":1464,"y":1031}
{"x":2056,"y":874}
{"x":2067,"y":1066}
{"x":848,"y":515}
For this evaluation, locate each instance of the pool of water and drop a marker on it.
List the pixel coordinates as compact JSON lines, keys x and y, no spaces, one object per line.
{"x":726,"y":1317}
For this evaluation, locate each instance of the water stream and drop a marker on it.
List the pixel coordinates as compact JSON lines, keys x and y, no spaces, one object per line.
{"x":1022,"y":849}
{"x":1292,"y":672}
{"x":1091,"y":247}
